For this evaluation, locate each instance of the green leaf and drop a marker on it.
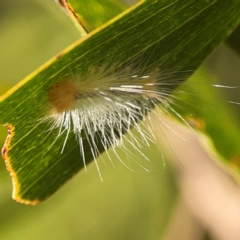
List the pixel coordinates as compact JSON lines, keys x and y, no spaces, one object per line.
{"x":210,"y":113}
{"x":93,"y":14}
{"x":170,"y":34}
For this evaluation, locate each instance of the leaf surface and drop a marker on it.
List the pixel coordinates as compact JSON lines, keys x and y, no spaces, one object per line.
{"x":88,"y":15}
{"x":171,"y":34}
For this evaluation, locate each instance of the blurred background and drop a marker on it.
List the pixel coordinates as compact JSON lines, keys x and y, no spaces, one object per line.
{"x":126,"y":205}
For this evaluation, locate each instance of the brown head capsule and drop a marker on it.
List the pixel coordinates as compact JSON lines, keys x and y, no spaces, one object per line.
{"x":62,"y":95}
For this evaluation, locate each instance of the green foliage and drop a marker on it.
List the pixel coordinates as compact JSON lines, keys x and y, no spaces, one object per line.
{"x":99,"y":13}
{"x":169,"y":34}
{"x":212,"y":113}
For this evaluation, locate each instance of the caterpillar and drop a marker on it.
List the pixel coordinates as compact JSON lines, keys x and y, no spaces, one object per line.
{"x":105,"y":103}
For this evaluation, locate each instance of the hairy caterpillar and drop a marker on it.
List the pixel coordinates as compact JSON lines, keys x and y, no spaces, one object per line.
{"x":103,"y":105}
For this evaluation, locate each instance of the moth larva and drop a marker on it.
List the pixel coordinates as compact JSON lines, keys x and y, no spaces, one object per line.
{"x":105,"y":104}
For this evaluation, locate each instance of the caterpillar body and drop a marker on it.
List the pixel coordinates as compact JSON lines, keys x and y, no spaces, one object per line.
{"x":105,"y":103}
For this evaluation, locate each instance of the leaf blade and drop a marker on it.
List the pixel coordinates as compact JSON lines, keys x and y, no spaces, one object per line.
{"x":33,"y":165}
